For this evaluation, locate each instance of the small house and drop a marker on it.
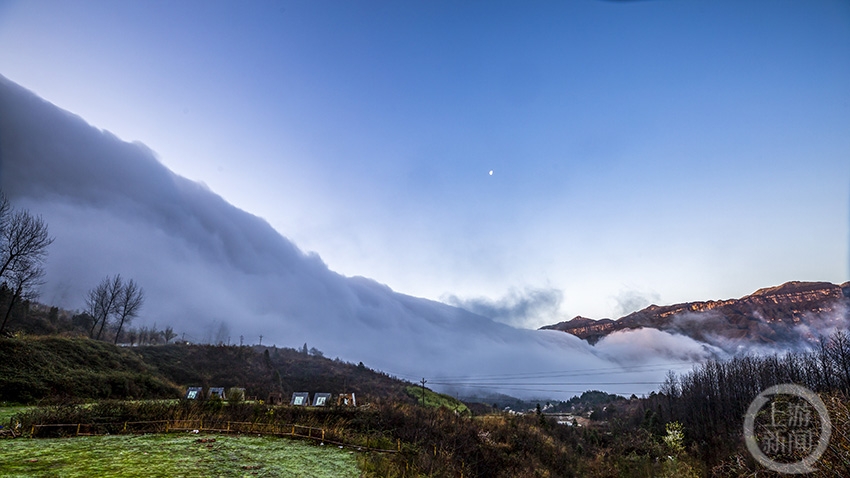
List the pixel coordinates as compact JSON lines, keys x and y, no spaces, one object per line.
{"x":194,"y":393}
{"x":321,"y":399}
{"x":346,"y":400}
{"x":300,"y":399}
{"x":275,"y":398}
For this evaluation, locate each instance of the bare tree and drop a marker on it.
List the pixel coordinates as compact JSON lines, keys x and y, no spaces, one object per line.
{"x":132,"y":335}
{"x":168,"y":334}
{"x":5,"y":211}
{"x":147,"y":335}
{"x":839,"y":351}
{"x":130,"y":300}
{"x":154,"y":336}
{"x":23,"y":248}
{"x":22,"y":282}
{"x":24,"y":239}
{"x":144,"y":335}
{"x":102,"y":302}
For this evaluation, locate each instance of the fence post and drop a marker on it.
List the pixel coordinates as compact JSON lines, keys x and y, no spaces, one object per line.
{"x":78,"y":429}
{"x":323,"y":435}
{"x":398,"y":444}
{"x":125,"y":428}
{"x":32,"y":431}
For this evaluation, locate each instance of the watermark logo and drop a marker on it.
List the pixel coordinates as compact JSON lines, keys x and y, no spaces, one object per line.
{"x":787,"y":429}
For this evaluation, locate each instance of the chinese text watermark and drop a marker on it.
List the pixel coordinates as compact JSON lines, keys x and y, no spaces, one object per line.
{"x":791,"y":434}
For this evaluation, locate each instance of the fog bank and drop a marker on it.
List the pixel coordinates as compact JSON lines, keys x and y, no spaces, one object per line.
{"x":210,"y":269}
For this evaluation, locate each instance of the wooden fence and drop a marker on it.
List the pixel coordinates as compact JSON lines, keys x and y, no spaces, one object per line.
{"x":198,"y":426}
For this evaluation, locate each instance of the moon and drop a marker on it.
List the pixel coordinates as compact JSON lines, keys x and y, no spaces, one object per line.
{"x":491,"y":172}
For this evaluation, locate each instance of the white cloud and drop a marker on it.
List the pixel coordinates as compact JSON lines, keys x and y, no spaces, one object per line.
{"x":635,"y":346}
{"x":529,"y":308}
{"x":209,"y":267}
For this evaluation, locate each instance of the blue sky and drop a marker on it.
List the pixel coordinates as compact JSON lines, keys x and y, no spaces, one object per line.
{"x":648,"y":151}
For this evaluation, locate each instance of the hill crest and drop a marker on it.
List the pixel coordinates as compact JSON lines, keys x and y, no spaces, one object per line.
{"x":782,"y":315}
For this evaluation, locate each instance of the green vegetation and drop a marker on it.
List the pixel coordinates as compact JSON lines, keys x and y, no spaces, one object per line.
{"x":8,"y":411}
{"x":431,"y":441}
{"x":28,"y":317}
{"x":436,"y":400}
{"x":634,"y":441}
{"x":173,"y":455}
{"x":33,"y":368}
{"x":690,"y":427}
{"x":261,"y":370}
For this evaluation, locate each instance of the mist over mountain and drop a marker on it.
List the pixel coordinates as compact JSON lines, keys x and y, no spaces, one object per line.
{"x":217,"y":273}
{"x":790,"y":316}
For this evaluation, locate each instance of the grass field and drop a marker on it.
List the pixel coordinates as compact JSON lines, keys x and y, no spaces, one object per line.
{"x":183,"y":455}
{"x":437,"y":400}
{"x":6,"y":412}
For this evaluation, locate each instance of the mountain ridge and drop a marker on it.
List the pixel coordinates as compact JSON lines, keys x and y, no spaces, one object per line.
{"x":771,"y":316}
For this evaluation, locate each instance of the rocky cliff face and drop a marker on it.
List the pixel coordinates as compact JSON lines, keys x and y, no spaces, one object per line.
{"x":587,"y":329}
{"x":774,"y":316}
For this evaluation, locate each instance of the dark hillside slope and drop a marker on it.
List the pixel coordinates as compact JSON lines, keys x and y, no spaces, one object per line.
{"x":261,"y":370}
{"x":34,"y":368}
{"x":52,"y":367}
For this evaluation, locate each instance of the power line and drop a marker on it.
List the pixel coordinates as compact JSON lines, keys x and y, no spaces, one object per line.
{"x":555,"y":381}
{"x":565,"y":373}
{"x":544,"y":377}
{"x":539,"y":384}
{"x":510,"y":379}
{"x":549,"y":390}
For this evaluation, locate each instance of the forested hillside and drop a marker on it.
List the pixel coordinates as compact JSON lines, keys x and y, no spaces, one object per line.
{"x":60,"y":368}
{"x":261,"y":370}
{"x":34,"y":368}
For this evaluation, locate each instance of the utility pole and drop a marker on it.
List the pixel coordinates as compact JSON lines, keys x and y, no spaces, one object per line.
{"x":423,"y":382}
{"x":261,"y":340}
